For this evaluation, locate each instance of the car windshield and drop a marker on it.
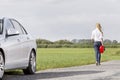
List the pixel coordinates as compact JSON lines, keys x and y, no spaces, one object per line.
{"x":1,"y":26}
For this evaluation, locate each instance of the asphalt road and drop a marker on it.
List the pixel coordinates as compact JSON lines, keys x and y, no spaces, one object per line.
{"x":106,"y":71}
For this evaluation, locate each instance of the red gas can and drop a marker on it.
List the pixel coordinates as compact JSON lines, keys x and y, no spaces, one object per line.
{"x":101,"y":49}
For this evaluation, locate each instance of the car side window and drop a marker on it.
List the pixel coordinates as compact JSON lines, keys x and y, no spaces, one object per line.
{"x":9,"y":25}
{"x":1,"y":26}
{"x":17,"y":26}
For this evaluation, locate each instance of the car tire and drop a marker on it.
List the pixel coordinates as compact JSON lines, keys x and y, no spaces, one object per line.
{"x":2,"y":65}
{"x":31,"y":69}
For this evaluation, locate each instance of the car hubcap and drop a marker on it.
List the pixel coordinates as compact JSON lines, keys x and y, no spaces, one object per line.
{"x":33,"y":62}
{"x":1,"y":66}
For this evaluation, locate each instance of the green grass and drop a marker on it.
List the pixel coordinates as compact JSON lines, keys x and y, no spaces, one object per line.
{"x":48,"y":58}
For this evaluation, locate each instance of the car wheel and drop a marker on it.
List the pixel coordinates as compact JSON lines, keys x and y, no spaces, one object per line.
{"x":31,"y":69}
{"x":2,"y":65}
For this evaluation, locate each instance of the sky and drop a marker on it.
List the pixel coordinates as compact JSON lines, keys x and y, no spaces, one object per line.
{"x":64,"y":19}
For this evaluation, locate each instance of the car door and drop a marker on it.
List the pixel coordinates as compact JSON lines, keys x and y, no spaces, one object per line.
{"x":12,"y":47}
{"x":23,"y":42}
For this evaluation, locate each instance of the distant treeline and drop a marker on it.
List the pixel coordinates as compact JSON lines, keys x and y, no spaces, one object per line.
{"x":75,"y":43}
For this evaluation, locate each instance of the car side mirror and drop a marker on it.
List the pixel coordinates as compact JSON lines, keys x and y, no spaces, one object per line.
{"x":12,"y":31}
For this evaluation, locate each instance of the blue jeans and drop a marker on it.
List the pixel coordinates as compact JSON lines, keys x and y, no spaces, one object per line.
{"x":97,"y":52}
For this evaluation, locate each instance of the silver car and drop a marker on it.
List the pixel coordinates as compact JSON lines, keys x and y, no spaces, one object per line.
{"x":17,"y":48}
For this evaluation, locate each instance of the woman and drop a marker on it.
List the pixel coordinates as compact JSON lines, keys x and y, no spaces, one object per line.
{"x":97,"y":37}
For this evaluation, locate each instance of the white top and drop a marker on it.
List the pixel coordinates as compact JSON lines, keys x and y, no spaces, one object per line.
{"x":96,"y":35}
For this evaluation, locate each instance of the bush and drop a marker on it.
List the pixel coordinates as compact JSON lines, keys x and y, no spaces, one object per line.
{"x":84,"y":43}
{"x":42,"y":45}
{"x":54,"y":46}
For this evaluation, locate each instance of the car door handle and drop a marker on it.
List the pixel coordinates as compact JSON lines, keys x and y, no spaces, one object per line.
{"x":18,"y":40}
{"x":28,"y":38}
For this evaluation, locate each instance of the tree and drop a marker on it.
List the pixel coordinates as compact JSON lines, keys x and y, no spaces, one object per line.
{"x":63,"y":42}
{"x":75,"y":41}
{"x":115,"y":42}
{"x":43,"y":41}
{"x":107,"y":41}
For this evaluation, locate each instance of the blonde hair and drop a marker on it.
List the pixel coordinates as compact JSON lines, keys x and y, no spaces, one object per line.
{"x":99,"y":27}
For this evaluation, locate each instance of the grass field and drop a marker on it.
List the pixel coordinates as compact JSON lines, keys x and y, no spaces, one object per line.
{"x":65,"y":57}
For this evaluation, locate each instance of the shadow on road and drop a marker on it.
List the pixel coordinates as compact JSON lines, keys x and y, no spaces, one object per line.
{"x":47,"y":75}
